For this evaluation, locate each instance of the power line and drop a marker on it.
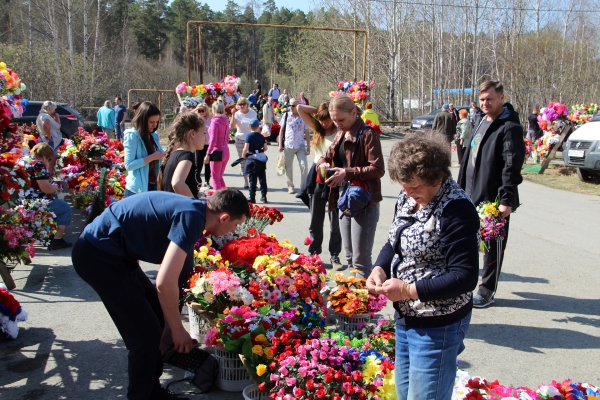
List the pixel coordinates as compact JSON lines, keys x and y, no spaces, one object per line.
{"x":470,"y":6}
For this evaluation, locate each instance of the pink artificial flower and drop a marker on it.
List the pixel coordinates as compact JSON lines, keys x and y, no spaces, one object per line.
{"x":308,"y":241}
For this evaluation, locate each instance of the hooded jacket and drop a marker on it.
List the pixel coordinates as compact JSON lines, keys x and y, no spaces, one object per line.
{"x":500,"y":156}
{"x":369,"y":165}
{"x":218,"y":132}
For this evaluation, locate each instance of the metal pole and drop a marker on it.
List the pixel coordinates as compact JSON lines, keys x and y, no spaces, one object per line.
{"x":160,"y":101}
{"x":187,"y":46}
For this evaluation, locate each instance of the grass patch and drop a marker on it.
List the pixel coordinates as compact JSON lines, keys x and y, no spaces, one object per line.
{"x":563,"y":178}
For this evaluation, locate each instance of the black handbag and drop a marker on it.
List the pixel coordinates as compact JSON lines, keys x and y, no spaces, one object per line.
{"x":216,"y":155}
{"x":199,"y":362}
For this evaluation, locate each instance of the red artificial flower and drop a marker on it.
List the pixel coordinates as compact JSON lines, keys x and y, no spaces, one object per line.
{"x":308,"y":241}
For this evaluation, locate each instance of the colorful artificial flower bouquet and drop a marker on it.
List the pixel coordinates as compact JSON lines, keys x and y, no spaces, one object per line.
{"x":357,"y":90}
{"x":229,"y":89}
{"x":552,"y":117}
{"x":260,"y":218}
{"x":12,"y":105}
{"x":16,"y":240}
{"x":216,"y":290}
{"x":492,"y":223}
{"x":93,"y":147}
{"x":244,"y":250}
{"x":582,"y":113}
{"x":287,"y":276}
{"x":528,"y":147}
{"x":14,"y":181}
{"x":476,"y":388}
{"x":38,"y":219}
{"x":351,"y":297}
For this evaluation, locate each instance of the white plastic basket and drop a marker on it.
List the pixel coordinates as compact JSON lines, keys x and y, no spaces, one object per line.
{"x":233,"y":376}
{"x":199,"y":325}
{"x":252,"y":393}
{"x":350,"y":324}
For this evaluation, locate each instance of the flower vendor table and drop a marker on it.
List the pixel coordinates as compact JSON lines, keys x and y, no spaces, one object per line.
{"x":233,"y":376}
{"x":566,"y":130}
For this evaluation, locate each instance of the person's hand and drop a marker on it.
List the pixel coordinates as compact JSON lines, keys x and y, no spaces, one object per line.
{"x":505,"y":210}
{"x":182,"y":341}
{"x":280,"y":149}
{"x":339,"y":175}
{"x":307,"y":150}
{"x":206,"y":159}
{"x":157,"y":155}
{"x":395,"y":290}
{"x":56,"y":117}
{"x":376,"y":279}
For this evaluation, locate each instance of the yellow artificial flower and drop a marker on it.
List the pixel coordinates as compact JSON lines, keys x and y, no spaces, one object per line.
{"x":371,"y":368}
{"x":261,"y":338}
{"x":272,"y":235}
{"x":269,"y":353}
{"x":258,"y":350}
{"x":209,"y":241}
{"x":261,"y":369}
{"x":204,"y":249}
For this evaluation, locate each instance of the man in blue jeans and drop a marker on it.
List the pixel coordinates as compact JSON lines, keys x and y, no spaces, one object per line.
{"x":120,"y":111}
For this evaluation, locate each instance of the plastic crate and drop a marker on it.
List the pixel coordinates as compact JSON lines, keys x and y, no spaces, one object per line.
{"x":233,"y":376}
{"x":252,"y":393}
{"x":350,"y":324}
{"x":199,"y":325}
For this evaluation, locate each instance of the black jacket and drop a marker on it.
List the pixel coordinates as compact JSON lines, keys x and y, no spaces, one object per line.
{"x":499,"y":160}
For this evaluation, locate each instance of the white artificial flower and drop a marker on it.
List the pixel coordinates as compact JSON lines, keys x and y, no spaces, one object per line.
{"x":209,"y":297}
{"x":252,"y":327}
{"x":196,"y":290}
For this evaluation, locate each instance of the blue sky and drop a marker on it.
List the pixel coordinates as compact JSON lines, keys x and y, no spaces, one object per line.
{"x":219,"y":5}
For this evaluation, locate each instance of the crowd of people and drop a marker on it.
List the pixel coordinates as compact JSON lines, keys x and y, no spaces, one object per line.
{"x":434,"y":233}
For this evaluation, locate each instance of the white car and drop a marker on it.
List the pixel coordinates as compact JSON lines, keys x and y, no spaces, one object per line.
{"x":582,"y":150}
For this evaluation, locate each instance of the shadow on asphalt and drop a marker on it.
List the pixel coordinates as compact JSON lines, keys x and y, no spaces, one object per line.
{"x":532,"y":338}
{"x":550,"y":302}
{"x":75,"y":366}
{"x":594,"y":322}
{"x":525,"y":279}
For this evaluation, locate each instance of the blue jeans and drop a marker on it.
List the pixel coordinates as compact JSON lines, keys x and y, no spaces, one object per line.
{"x":62,"y":209}
{"x":426,"y":360}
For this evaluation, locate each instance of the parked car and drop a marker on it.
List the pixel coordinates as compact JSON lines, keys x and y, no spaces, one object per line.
{"x":426,"y":121}
{"x":70,"y":120}
{"x":582,"y":150}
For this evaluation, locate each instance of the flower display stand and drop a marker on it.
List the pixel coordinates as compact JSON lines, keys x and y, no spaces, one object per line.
{"x":351,"y":324}
{"x":233,"y":376}
{"x":252,"y":393}
{"x":200,"y":322}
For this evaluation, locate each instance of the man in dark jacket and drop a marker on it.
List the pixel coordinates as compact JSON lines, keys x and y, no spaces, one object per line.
{"x":493,"y":170}
{"x":444,"y":123}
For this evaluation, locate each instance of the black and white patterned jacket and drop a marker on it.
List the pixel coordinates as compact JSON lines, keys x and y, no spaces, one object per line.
{"x":436,"y":247}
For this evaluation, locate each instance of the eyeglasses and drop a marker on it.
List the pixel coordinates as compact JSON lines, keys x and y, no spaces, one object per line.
{"x":293,"y":106}
{"x":201,"y":111}
{"x":243,"y":104}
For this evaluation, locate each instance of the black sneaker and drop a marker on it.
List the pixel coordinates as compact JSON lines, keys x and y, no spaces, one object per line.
{"x":336,"y":264}
{"x":263,"y":200}
{"x":165,"y":394}
{"x":58,"y":244}
{"x":481,"y":302}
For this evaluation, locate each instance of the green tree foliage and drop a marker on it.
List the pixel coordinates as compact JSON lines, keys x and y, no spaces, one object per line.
{"x":149,"y":27}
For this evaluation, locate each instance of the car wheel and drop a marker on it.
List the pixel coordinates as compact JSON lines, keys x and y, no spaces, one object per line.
{"x":585,"y":175}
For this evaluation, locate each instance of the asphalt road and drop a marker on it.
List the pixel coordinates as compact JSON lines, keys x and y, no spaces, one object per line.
{"x":544,"y":325}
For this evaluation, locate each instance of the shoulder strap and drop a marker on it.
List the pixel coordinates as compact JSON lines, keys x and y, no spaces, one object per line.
{"x":356,"y":146}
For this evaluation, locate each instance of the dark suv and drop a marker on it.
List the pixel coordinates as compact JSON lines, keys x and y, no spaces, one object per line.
{"x":70,"y":120}
{"x":426,"y":121}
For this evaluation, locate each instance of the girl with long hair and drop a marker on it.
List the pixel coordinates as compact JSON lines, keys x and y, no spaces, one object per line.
{"x":187,"y":134}
{"x":142,"y":150}
{"x":358,"y":232}
{"x":203,"y":112}
{"x":319,"y":120}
